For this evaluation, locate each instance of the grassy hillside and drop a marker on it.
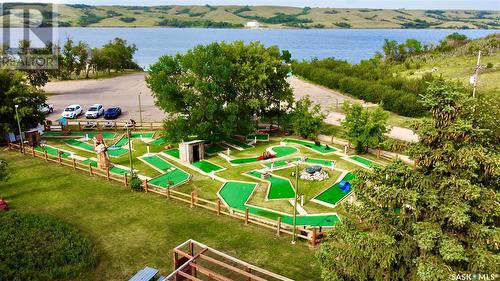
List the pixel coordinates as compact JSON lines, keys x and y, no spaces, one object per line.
{"x":271,"y":17}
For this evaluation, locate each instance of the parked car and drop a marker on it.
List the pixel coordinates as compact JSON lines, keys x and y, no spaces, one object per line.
{"x":72,"y":111}
{"x":95,"y":111}
{"x":46,"y":108}
{"x":112,"y":113}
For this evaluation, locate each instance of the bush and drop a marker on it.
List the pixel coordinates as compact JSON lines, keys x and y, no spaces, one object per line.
{"x":135,"y":184}
{"x":38,"y":247}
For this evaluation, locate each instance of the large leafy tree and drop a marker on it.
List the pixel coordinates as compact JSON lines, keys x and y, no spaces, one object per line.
{"x":307,"y":118}
{"x":216,"y":90}
{"x":14,"y":89}
{"x":364,"y":127}
{"x":432,"y":222}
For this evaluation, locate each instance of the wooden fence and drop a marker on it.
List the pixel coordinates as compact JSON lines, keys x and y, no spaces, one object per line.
{"x":114,"y":125}
{"x":312,"y":235}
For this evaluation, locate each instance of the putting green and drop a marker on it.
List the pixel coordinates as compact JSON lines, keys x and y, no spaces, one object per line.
{"x":80,"y":145}
{"x":260,"y":137}
{"x":318,"y":148}
{"x":279,"y":188}
{"x":52,"y":151}
{"x":173,"y":152}
{"x":207,"y":167}
{"x":114,"y":151}
{"x":106,"y":135}
{"x":159,"y":141}
{"x":172,"y":173}
{"x":244,"y":160}
{"x":282,"y":151}
{"x":121,"y":142}
{"x":334,"y":194}
{"x":277,"y":164}
{"x":238,"y":143}
{"x":362,"y":160}
{"x":146,"y":135}
{"x":323,"y":162}
{"x":114,"y":169}
{"x":213,"y":149}
{"x":236,"y":194}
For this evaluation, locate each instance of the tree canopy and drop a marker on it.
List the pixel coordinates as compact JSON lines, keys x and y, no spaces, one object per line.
{"x":14,"y":89}
{"x":364,"y":128}
{"x":215,"y":91}
{"x":428,"y":223}
{"x":307,"y":118}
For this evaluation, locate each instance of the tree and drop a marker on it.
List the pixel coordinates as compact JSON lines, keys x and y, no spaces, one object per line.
{"x":214,"y":91}
{"x":4,"y":172}
{"x":391,"y":50}
{"x":120,"y":55}
{"x":364,"y":127}
{"x":14,"y":89}
{"x":432,"y":222}
{"x":307,"y":118}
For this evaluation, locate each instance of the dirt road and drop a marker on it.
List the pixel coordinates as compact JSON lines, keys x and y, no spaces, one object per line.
{"x":123,"y":91}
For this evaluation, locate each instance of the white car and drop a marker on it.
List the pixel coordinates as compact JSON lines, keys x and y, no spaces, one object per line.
{"x":95,"y":111}
{"x":72,"y":111}
{"x":46,"y":108}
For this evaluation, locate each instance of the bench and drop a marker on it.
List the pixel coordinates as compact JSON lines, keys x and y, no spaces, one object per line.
{"x":145,"y":274}
{"x":55,"y":128}
{"x":90,"y":126}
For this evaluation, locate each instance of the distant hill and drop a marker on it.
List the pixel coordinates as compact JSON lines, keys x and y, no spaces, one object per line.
{"x":270,"y":17}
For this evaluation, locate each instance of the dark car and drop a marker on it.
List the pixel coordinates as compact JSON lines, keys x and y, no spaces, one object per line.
{"x":112,"y":113}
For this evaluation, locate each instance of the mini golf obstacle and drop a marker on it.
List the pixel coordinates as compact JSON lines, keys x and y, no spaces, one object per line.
{"x":172,"y":175}
{"x":113,"y":169}
{"x":235,"y":194}
{"x":279,"y":188}
{"x":335,"y":194}
{"x":113,"y":151}
{"x":314,"y":146}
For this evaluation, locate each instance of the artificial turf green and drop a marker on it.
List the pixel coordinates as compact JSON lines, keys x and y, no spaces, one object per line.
{"x":238,"y":143}
{"x":244,"y":160}
{"x":176,"y":175}
{"x":114,"y":151}
{"x":279,"y":188}
{"x":80,"y":144}
{"x":260,"y":137}
{"x":173,"y":152}
{"x":282,"y":151}
{"x":334,"y":194}
{"x":207,"y":167}
{"x":322,"y":162}
{"x":277,"y":164}
{"x":236,"y":194}
{"x":122,"y":141}
{"x":52,"y":151}
{"x":146,"y":135}
{"x":106,"y":135}
{"x":213,"y":149}
{"x":114,"y":169}
{"x":362,"y":160}
{"x":321,"y":148}
{"x":159,"y":141}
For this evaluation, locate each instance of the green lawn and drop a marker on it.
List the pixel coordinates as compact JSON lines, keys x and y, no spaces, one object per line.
{"x":51,"y":151}
{"x":132,"y":230}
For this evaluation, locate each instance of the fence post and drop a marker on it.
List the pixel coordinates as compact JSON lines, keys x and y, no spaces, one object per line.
{"x":151,"y":125}
{"x":59,"y":158}
{"x":168,"y":192}
{"x":116,"y":127}
{"x":192,"y":199}
{"x":278,"y":227}
{"x":46,"y":156}
{"x":8,"y":145}
{"x":218,"y":206}
{"x":74,"y":164}
{"x":246,"y":216}
{"x":313,"y":237}
{"x":79,"y":126}
{"x":146,"y":185}
{"x":125,"y":179}
{"x":90,"y":169}
{"x":107,"y":173}
{"x":33,"y":152}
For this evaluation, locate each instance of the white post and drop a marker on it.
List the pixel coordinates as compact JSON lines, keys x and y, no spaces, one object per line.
{"x":333,"y":165}
{"x":476,"y":73}
{"x":86,"y":137}
{"x":272,"y":166}
{"x":302,"y":200}
{"x":212,"y":174}
{"x":255,"y":140}
{"x":345,"y":149}
{"x":228,"y":151}
{"x":148,"y":148}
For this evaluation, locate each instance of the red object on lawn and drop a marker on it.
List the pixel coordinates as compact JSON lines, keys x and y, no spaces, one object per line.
{"x":3,"y":204}
{"x":266,"y":156}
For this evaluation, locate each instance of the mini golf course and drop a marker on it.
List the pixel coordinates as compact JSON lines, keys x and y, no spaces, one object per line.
{"x":159,"y":141}
{"x":207,"y":166}
{"x":214,"y":149}
{"x":323,"y":149}
{"x":279,"y":188}
{"x":52,"y":151}
{"x":235,"y":194}
{"x":173,"y":152}
{"x":259,"y":137}
{"x":106,"y":135}
{"x":114,"y":169}
{"x":277,"y":164}
{"x":279,"y":151}
{"x":237,"y":143}
{"x":121,"y":142}
{"x":362,"y":160}
{"x":113,"y":151}
{"x":334,"y":194}
{"x":172,"y":174}
{"x":322,"y":162}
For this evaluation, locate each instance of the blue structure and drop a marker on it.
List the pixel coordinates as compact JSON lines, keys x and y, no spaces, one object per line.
{"x":345,"y":186}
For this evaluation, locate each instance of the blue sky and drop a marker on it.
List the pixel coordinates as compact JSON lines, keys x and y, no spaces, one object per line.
{"x":381,"y":4}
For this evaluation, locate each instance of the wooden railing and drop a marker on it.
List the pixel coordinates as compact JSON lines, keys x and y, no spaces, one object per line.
{"x":310,"y":234}
{"x":116,"y":125}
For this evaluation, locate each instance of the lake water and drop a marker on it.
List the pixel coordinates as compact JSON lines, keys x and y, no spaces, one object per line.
{"x":352,"y":45}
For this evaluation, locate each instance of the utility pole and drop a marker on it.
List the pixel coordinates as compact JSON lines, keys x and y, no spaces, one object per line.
{"x":295,"y":201}
{"x":19,"y":127}
{"x":140,"y":108}
{"x":130,"y":152}
{"x":476,"y":73}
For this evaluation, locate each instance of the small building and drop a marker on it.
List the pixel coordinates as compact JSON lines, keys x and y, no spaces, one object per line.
{"x":192,"y":151}
{"x":252,"y":24}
